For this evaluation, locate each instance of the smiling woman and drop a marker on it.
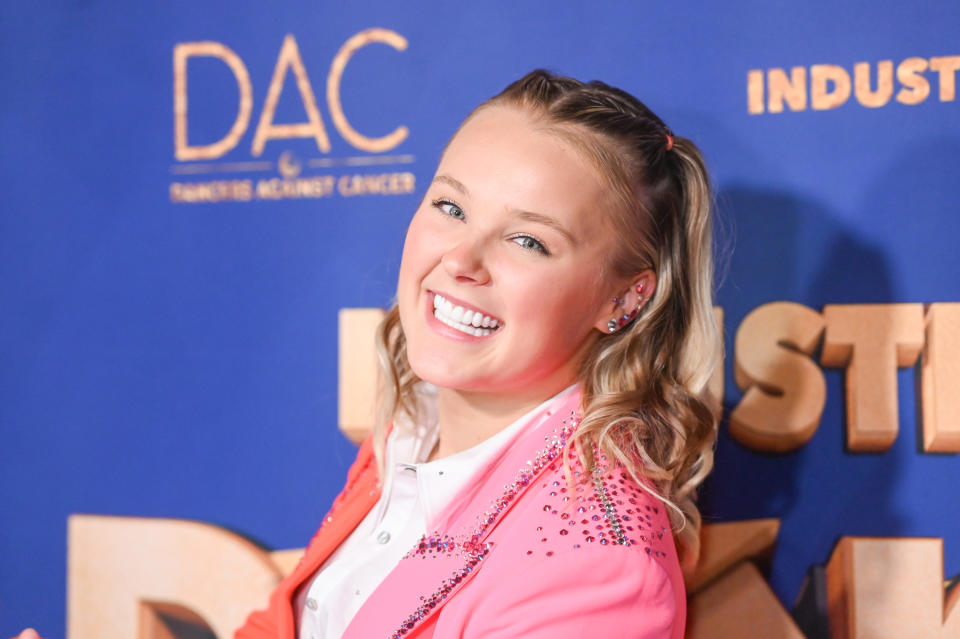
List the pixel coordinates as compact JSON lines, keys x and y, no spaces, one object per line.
{"x":545,"y":420}
{"x":509,"y":228}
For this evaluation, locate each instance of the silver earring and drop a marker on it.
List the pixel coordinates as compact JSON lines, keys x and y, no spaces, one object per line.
{"x":612,"y":325}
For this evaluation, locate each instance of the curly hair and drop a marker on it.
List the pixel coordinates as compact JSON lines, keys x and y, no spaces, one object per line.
{"x":645,"y":403}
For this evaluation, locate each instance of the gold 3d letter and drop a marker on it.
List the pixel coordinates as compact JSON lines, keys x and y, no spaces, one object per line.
{"x":124,"y":570}
{"x":785,"y":390}
{"x":358,"y":371}
{"x":740,"y":603}
{"x":940,"y":379}
{"x":890,"y":589}
{"x":871,"y":341}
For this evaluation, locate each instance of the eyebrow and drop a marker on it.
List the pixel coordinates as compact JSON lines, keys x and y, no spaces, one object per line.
{"x":529,"y":216}
{"x":546,"y":220}
{"x":457,"y":184}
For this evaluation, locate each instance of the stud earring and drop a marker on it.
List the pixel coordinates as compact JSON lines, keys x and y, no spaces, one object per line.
{"x":625,"y":319}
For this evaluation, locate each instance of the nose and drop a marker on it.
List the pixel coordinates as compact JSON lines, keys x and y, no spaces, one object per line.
{"x":466,"y":262}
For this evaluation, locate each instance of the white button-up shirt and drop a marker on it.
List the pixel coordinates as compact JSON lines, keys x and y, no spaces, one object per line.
{"x":414,"y":492}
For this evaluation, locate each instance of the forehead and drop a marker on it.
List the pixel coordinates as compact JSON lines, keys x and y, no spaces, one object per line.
{"x":505,"y":153}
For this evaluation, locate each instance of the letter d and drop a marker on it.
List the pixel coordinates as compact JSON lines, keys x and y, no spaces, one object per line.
{"x":181,"y":52}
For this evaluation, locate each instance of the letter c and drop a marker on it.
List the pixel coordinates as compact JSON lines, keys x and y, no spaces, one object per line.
{"x":358,"y":140}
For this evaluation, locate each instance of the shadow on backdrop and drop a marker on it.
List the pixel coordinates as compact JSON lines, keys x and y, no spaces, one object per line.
{"x":789,"y":247}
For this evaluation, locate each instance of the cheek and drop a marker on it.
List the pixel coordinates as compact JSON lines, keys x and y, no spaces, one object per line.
{"x":423,"y":237}
{"x":414,"y":253}
{"x":560,"y":310}
{"x":420,"y":257}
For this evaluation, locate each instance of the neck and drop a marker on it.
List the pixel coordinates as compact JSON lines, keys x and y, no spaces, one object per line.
{"x":468,"y":418}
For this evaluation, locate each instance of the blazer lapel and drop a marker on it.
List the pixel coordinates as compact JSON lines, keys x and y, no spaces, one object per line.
{"x":350,"y":507}
{"x":444,"y":561}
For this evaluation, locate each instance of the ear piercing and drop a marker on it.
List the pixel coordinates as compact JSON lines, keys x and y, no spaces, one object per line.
{"x":625,"y":319}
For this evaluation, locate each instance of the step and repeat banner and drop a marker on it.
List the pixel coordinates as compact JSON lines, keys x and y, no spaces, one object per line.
{"x":192,"y":191}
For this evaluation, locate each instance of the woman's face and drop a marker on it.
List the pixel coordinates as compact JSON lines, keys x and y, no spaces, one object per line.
{"x":502,"y":284}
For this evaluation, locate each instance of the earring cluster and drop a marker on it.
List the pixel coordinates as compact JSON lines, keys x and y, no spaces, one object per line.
{"x":618,"y":322}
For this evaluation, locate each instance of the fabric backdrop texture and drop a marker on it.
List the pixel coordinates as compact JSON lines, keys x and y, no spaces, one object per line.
{"x":173,"y":258}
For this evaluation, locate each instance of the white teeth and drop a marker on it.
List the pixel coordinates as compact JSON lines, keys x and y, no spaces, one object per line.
{"x":465,"y":320}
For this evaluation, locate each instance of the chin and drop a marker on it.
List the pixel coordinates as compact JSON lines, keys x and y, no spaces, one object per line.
{"x":441,"y":372}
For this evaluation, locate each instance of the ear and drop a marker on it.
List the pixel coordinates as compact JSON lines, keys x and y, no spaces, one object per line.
{"x":627,"y":301}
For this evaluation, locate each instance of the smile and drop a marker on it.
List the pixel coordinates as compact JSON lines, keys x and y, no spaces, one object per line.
{"x":463,"y":319}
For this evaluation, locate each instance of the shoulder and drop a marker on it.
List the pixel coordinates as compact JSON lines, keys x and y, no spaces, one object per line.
{"x":606,"y":511}
{"x":593,"y":561}
{"x":599,"y":553}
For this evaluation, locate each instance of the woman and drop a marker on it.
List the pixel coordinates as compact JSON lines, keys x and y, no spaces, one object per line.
{"x":546,"y":423}
{"x":546,"y":365}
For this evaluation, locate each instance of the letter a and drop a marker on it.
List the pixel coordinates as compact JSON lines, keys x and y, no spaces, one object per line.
{"x":266,"y":130}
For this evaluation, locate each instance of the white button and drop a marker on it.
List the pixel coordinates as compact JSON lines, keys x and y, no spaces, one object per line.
{"x":383,"y":537}
{"x":311,"y":603}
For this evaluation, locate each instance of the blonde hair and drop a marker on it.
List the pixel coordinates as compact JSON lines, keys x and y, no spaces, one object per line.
{"x":645,"y":405}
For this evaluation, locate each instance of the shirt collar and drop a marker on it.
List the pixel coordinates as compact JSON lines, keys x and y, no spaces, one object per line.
{"x":439,"y":481}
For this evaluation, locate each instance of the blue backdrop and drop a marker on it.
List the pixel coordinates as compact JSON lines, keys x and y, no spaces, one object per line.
{"x":173,"y":359}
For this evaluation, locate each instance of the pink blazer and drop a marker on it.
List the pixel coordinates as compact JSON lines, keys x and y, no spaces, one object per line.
{"x":518,"y":555}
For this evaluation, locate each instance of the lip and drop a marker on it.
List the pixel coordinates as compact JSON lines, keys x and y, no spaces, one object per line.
{"x":443,"y":329}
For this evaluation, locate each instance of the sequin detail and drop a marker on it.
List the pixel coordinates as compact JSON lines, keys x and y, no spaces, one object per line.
{"x":469,"y":545}
{"x":609,"y":510}
{"x":427,"y":604}
{"x":436,"y":544}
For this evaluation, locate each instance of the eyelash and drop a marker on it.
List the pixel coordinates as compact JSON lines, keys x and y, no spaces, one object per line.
{"x":539,"y":248}
{"x":439,"y":204}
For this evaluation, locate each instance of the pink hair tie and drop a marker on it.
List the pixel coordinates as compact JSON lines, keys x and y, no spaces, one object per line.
{"x":669,"y":142}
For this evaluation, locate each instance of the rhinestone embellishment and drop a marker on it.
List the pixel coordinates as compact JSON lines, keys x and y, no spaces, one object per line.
{"x":469,"y":545}
{"x":609,"y":510}
{"x":429,"y":603}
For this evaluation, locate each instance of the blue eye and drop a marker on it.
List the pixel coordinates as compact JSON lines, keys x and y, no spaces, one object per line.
{"x":451,"y":209}
{"x":530,"y":243}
